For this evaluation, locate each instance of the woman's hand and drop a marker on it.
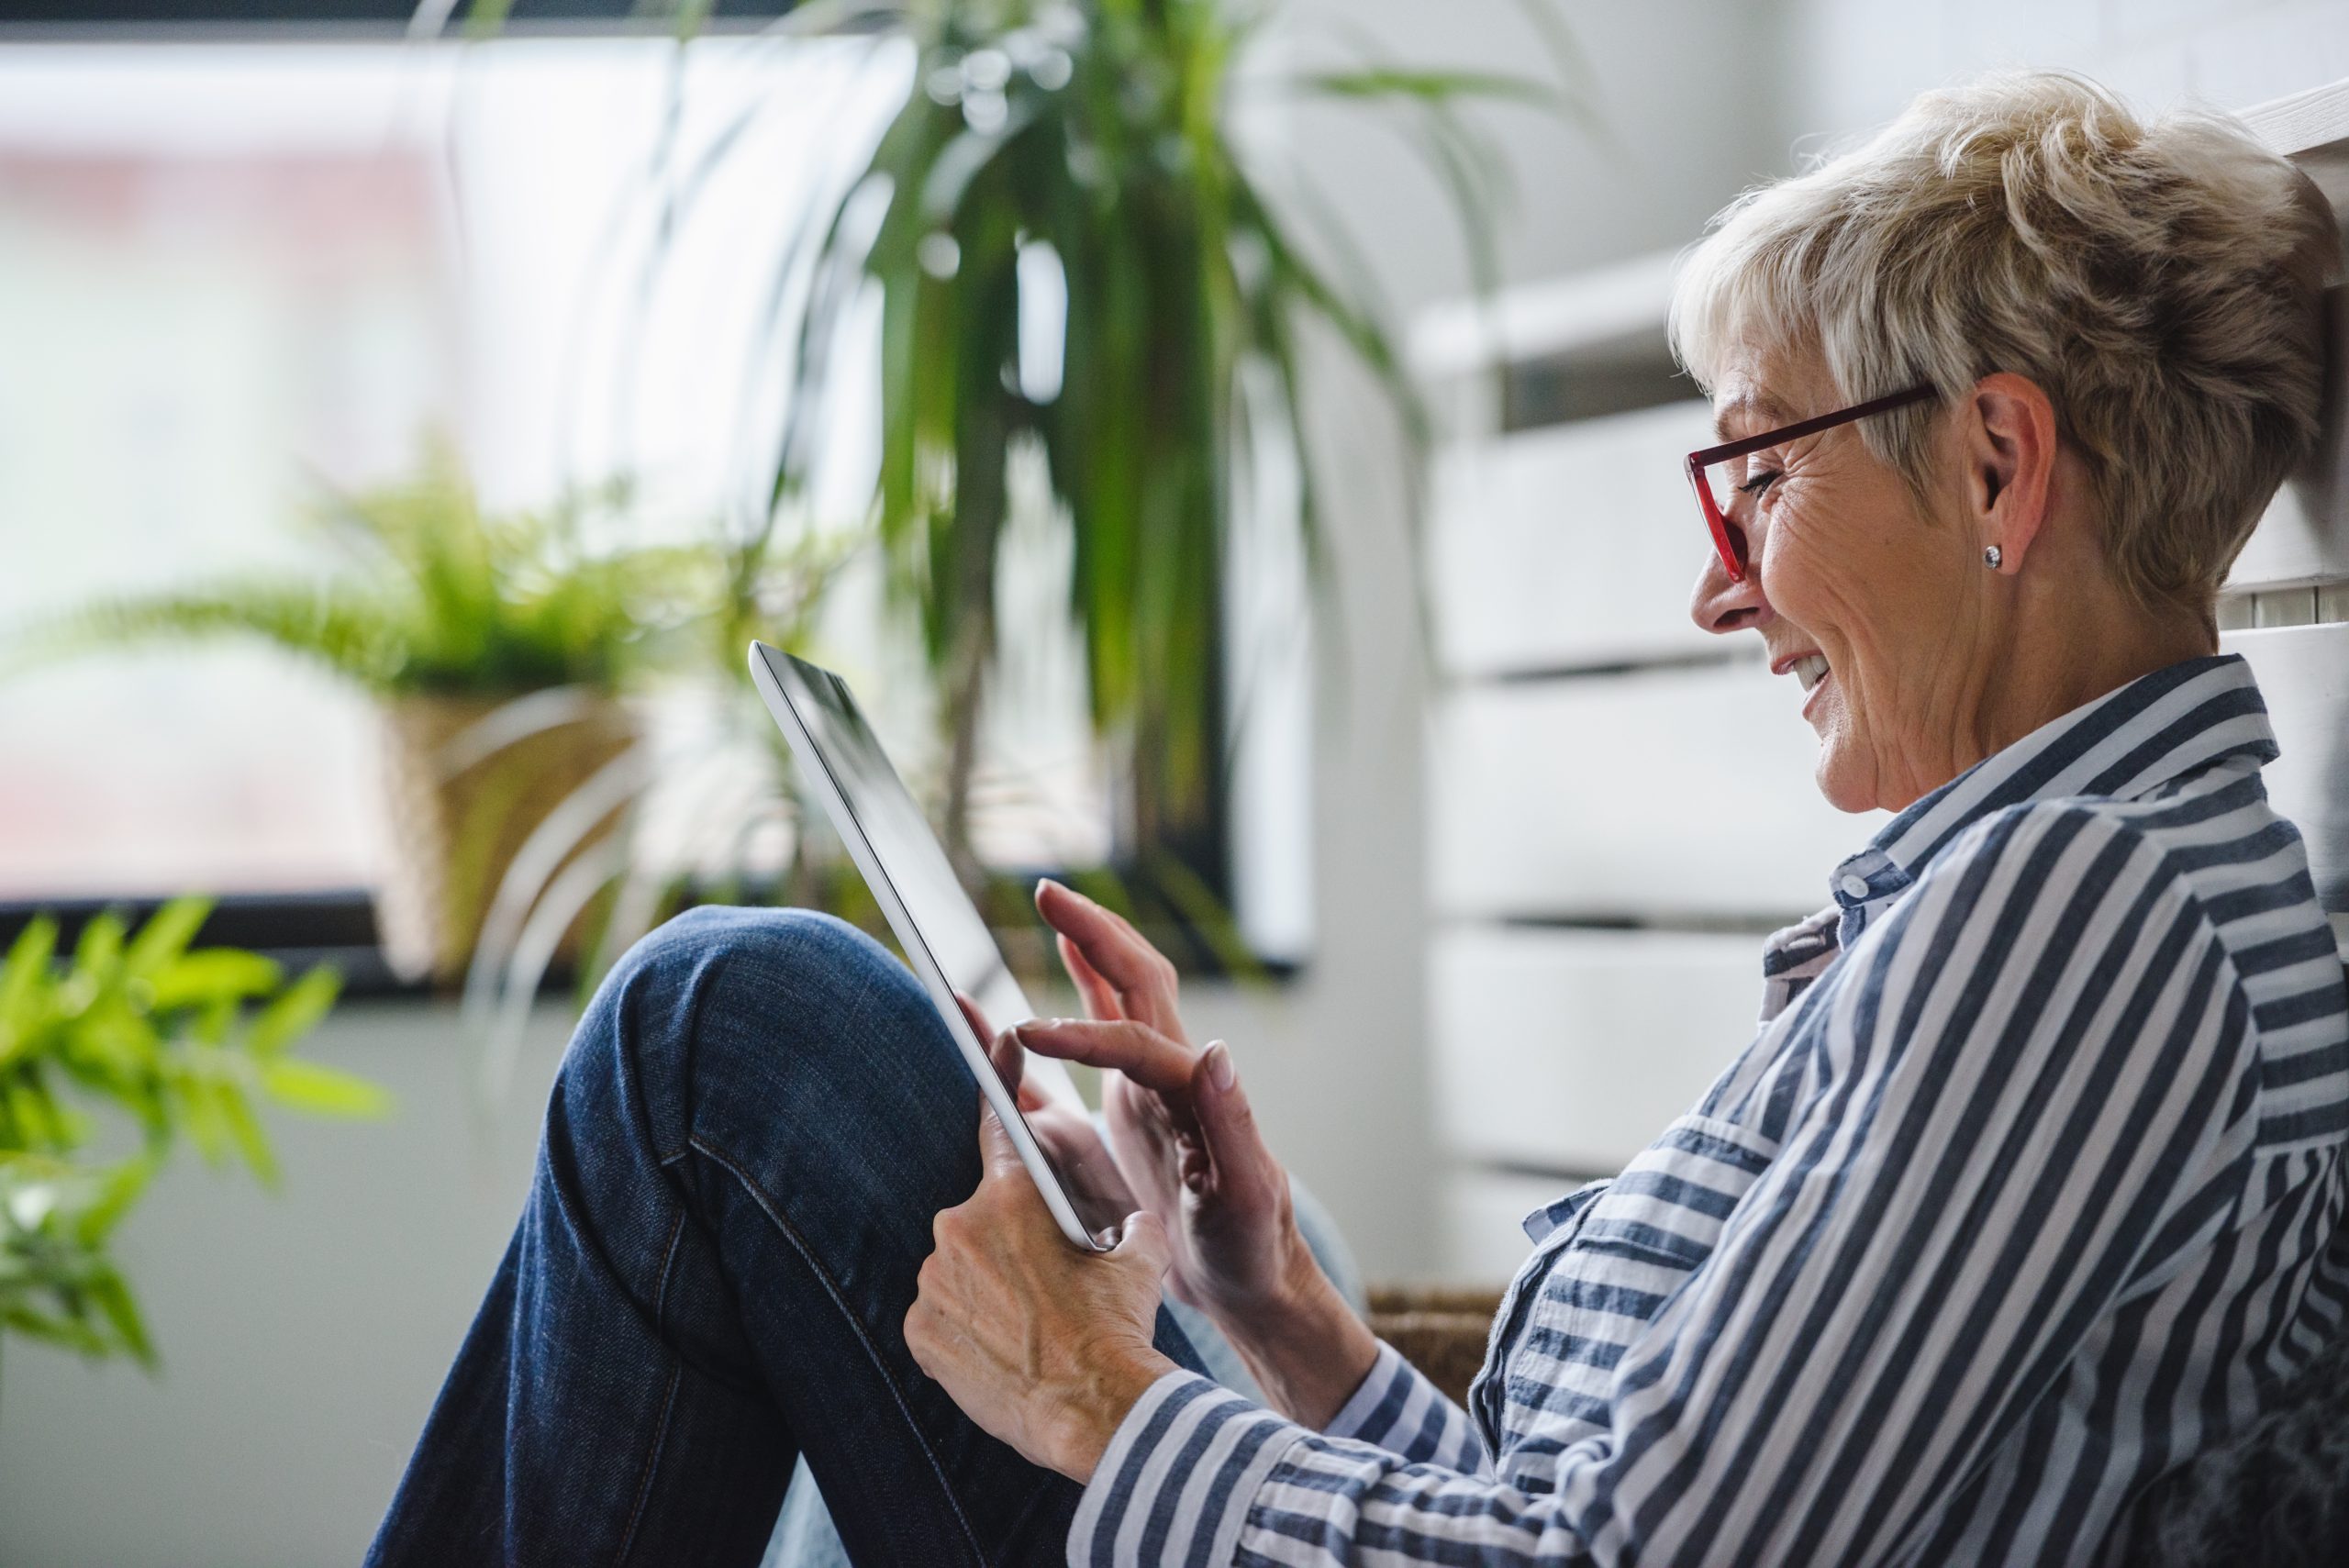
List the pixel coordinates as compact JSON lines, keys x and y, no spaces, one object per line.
{"x":1179,"y":1124}
{"x":1045,"y":1347}
{"x":1070,"y":1140}
{"x":1186,"y":1141}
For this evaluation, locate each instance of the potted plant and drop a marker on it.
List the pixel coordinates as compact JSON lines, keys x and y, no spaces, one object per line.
{"x":180,"y":1043}
{"x":449,"y":617}
{"x":1095,"y":143}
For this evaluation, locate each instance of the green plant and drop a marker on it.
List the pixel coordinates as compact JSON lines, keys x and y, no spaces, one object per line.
{"x":178,"y":1041}
{"x":440,"y":598}
{"x":1094,"y":144}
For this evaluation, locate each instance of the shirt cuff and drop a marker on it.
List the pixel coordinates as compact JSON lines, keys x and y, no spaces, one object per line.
{"x":1178,"y":1477}
{"x":1398,"y":1409}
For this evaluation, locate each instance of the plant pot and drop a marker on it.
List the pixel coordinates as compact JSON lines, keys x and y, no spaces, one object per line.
{"x":459,"y":818}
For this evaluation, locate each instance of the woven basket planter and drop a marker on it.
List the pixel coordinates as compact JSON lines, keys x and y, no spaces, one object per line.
{"x":1441,"y":1331}
{"x":455,"y":828}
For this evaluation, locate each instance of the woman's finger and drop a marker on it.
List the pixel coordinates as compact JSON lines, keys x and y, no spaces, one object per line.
{"x":1003,"y":1050}
{"x":1137,"y":972}
{"x":1136,"y":1049}
{"x":1100,"y":998}
{"x":1235,"y":1148}
{"x":1011,"y":1066}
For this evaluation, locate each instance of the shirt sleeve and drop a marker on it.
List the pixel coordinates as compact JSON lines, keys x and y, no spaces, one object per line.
{"x":1398,"y":1409}
{"x":2034,"y":1093}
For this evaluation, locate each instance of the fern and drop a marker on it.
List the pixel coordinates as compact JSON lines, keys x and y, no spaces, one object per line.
{"x":434,"y":597}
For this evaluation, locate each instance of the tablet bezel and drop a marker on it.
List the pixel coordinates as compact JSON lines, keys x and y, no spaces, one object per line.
{"x":775,"y":673}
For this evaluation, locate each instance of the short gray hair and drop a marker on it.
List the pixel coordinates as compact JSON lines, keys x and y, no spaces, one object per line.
{"x":2160,"y":281}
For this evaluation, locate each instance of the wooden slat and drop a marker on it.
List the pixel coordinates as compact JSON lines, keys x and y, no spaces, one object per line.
{"x":1569,"y":1050}
{"x":1578,"y":545}
{"x":1588,"y":312}
{"x":1573,"y":545}
{"x":2312,"y":129}
{"x":1688,"y":793}
{"x":1659,"y":795}
{"x":2304,"y":674}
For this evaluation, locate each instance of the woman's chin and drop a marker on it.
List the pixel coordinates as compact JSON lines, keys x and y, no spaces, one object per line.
{"x":1843,"y":774}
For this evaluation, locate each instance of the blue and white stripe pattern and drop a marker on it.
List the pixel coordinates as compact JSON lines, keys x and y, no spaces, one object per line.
{"x":2027,"y":1190}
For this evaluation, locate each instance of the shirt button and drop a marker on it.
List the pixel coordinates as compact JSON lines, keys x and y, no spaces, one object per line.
{"x":1856,"y":887}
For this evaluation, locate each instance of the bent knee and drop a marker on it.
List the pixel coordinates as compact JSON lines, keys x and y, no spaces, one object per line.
{"x":748,"y":1015}
{"x":778,"y":975}
{"x":773,"y":947}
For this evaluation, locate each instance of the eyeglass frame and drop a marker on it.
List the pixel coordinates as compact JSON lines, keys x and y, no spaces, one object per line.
{"x":1705,"y":457}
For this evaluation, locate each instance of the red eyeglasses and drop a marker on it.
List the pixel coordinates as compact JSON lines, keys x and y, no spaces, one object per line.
{"x":1718,"y":473}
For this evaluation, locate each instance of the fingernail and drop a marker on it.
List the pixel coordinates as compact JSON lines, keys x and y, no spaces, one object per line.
{"x":1220,"y":1070}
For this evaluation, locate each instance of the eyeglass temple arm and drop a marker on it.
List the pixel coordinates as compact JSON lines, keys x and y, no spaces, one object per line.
{"x":1710,"y":455}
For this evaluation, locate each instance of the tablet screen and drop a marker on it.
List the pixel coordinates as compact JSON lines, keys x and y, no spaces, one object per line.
{"x":944,"y":938}
{"x":910,"y":853}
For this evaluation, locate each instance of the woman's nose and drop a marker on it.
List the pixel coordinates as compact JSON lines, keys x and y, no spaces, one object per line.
{"x":1722,"y":603}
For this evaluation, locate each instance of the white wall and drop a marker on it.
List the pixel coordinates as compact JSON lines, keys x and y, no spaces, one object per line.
{"x":1847,"y":64}
{"x":304,"y":1333}
{"x":1339,"y":1064}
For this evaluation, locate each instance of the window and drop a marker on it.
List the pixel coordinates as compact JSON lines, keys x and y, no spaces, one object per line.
{"x":231,"y":272}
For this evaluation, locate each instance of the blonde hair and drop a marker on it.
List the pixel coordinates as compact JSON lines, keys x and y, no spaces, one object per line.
{"x":2160,"y":281}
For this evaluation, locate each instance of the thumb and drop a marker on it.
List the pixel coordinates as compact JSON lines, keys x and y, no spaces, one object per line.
{"x":1226,"y":1120}
{"x":1142,"y":1244}
{"x":996,"y":1151}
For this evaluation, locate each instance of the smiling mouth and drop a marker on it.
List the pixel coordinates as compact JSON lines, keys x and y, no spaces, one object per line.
{"x":1810,"y":669}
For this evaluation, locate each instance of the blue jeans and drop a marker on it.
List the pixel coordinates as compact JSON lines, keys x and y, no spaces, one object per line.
{"x":758,"y":1116}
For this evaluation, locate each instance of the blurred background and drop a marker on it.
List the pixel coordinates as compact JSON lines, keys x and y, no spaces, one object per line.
{"x":406,"y":417}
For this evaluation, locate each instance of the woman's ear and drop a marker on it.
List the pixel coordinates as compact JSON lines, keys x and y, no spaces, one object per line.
{"x":2009,"y":447}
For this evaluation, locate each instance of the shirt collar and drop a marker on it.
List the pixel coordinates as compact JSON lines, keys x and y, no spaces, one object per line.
{"x":2127,"y":743}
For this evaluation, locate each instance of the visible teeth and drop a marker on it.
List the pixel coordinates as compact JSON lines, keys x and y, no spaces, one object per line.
{"x":1810,"y":669}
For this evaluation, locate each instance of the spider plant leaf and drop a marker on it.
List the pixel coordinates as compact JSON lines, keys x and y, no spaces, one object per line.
{"x":110,"y":1293}
{"x":210,"y":977}
{"x":486,"y":18}
{"x":245,"y":1134}
{"x":323,"y":1091}
{"x":617,"y":786}
{"x":1390,"y":81}
{"x":22,"y":983}
{"x":116,"y":1190}
{"x":97,"y":955}
{"x":511,"y":723}
{"x":533,"y":950}
{"x":295,"y":1012}
{"x":166,"y":936}
{"x":68,"y":1333}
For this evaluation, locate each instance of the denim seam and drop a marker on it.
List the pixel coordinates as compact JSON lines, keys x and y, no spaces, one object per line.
{"x":651,"y":1461}
{"x":772,"y":1208}
{"x":668,"y":1270}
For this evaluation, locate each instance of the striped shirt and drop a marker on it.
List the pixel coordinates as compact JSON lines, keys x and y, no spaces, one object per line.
{"x":2027,"y":1190}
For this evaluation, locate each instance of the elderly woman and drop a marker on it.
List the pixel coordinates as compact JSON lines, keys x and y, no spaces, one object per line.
{"x":2025,"y":1193}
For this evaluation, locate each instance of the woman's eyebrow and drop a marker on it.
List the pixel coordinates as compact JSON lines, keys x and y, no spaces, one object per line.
{"x":1763,"y":410}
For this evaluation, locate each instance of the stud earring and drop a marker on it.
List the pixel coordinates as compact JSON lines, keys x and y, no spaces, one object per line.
{"x":1990,"y":558}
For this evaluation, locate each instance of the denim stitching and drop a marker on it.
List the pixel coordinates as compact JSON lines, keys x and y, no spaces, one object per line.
{"x":651,"y":1461}
{"x":772,"y":1211}
{"x":668,"y":1272}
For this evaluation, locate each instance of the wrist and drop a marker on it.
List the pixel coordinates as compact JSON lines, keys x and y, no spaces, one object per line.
{"x":1307,"y":1347}
{"x":1109,"y":1384}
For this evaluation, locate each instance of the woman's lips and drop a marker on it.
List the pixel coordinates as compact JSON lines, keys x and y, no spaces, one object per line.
{"x":1810,"y":698}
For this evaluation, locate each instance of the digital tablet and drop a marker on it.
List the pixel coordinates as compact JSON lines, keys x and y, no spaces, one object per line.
{"x":946,"y":942}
